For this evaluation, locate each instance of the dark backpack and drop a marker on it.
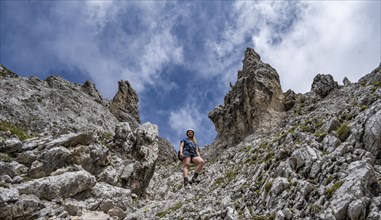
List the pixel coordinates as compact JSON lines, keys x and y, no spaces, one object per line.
{"x":178,"y":155}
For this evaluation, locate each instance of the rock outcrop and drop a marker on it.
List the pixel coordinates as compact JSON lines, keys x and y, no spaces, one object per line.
{"x":53,"y":106}
{"x":124,"y":105}
{"x":322,"y":162}
{"x":63,"y":153}
{"x":254,"y":103}
{"x":75,"y":173}
{"x":324,"y":84}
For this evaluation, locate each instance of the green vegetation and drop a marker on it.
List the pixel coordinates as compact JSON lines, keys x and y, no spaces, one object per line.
{"x":3,"y":185}
{"x":6,"y":72}
{"x":171,"y":209}
{"x":329,"y":192}
{"x":264,"y":217}
{"x":329,"y":180}
{"x":268,"y":186}
{"x":343,"y":131}
{"x":231,"y":174}
{"x":376,"y":83}
{"x":269,"y":155}
{"x":363,"y":107}
{"x":21,"y":133}
{"x":320,"y":134}
{"x":5,"y":158}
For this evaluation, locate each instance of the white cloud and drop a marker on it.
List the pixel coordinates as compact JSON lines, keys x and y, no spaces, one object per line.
{"x":316,"y":37}
{"x":97,"y":43}
{"x":325,"y":40}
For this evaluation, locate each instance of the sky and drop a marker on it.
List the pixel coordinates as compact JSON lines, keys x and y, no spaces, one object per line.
{"x":181,"y":56}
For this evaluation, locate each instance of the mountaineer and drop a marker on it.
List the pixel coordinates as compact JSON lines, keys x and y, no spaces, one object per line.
{"x":190,"y":152}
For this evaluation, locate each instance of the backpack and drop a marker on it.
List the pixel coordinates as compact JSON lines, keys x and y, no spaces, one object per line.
{"x":178,"y":155}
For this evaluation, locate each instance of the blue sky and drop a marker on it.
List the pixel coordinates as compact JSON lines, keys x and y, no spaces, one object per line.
{"x":180,"y":56}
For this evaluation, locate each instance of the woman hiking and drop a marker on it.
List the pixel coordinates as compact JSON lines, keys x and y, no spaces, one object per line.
{"x":190,"y":152}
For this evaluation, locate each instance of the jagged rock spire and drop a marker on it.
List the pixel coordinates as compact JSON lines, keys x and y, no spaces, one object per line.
{"x":124,"y":105}
{"x":254,"y":103}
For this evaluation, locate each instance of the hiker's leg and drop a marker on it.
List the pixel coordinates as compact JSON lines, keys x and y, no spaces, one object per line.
{"x":186,"y":163}
{"x":200,"y":164}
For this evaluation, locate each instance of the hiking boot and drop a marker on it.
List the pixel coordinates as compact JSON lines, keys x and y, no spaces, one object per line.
{"x":194,"y":180}
{"x":186,"y":182}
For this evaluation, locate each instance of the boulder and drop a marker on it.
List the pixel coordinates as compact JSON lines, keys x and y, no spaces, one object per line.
{"x":323,"y":84}
{"x":61,"y":186}
{"x":372,"y":134}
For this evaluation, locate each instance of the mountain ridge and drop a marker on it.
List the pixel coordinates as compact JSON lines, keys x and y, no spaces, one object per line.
{"x":276,"y":156}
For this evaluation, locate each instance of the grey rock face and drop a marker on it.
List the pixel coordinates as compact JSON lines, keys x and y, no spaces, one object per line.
{"x":54,"y":106}
{"x":372,"y":133}
{"x":305,"y":169}
{"x":124,"y":105}
{"x":373,"y":77}
{"x":90,"y":89}
{"x":324,"y":84}
{"x":4,"y":72}
{"x":290,"y":99}
{"x":254,"y":103}
{"x":60,"y":186}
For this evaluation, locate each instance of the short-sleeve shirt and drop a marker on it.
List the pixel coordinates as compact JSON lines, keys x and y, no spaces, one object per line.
{"x":189,"y":146}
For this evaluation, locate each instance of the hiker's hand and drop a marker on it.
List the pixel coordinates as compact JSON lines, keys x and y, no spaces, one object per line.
{"x":181,"y":156}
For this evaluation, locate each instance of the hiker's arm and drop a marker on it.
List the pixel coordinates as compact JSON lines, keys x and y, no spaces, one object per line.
{"x":198,"y":150}
{"x":181,"y":149}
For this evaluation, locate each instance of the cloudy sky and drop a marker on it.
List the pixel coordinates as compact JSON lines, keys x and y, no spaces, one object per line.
{"x":180,"y":56}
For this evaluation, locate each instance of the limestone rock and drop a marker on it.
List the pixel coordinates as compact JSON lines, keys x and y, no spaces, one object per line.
{"x":53,"y":105}
{"x":60,"y":186}
{"x":324,"y":84}
{"x":290,"y":99}
{"x":124,"y":105}
{"x":372,"y":131}
{"x":4,"y":72}
{"x":346,"y":81}
{"x":373,"y":77}
{"x":90,"y":88}
{"x":254,"y":103}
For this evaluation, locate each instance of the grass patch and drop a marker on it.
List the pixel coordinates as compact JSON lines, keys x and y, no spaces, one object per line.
{"x":171,"y":209}
{"x":264,"y":217}
{"x":231,"y":174}
{"x":343,"y":131}
{"x":5,"y":158}
{"x":268,"y":186}
{"x":347,"y":117}
{"x":329,"y":192}
{"x":329,"y":180}
{"x":363,"y":107}
{"x":6,"y":72}
{"x":320,"y":134}
{"x":376,"y":83}
{"x":21,"y":133}
{"x":3,"y":185}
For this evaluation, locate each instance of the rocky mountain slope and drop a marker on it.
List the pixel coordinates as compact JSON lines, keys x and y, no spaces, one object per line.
{"x":320,"y":161}
{"x":277,"y":156}
{"x":65,"y":151}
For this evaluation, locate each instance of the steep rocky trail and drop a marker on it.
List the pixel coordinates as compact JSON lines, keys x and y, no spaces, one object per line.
{"x":316,"y":157}
{"x":316,"y":165}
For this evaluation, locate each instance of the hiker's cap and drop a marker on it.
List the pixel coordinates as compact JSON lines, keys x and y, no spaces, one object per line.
{"x":189,"y":129}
